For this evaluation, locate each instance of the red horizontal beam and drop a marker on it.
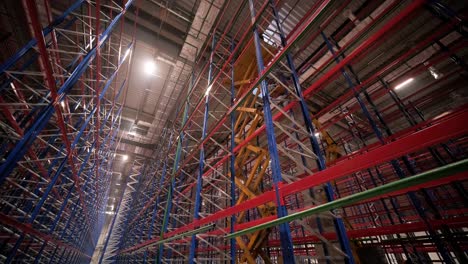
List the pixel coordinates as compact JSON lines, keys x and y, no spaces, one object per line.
{"x":451,"y":127}
{"x":294,"y":35}
{"x":383,"y":70}
{"x":30,"y":230}
{"x":222,"y":120}
{"x":390,"y":25}
{"x":49,"y":79}
{"x":325,"y":78}
{"x":459,"y":176}
{"x":384,"y":230}
{"x":459,"y":222}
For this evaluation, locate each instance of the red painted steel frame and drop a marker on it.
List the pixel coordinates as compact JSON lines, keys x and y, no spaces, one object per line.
{"x":438,"y":131}
{"x":215,"y":79}
{"x":241,"y":144}
{"x":49,"y":78}
{"x":458,"y":222}
{"x":307,"y":93}
{"x":97,"y":89}
{"x":25,"y":228}
{"x":243,"y":96}
{"x":385,"y":230}
{"x":417,"y":137}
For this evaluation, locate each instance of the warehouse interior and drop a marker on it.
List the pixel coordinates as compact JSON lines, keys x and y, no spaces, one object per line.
{"x":234,"y":131}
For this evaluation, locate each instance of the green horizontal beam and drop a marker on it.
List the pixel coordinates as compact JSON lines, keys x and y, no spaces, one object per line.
{"x":424,"y":177}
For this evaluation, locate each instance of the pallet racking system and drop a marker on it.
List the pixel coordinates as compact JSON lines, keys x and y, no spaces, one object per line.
{"x":245,"y":161}
{"x":289,"y":145}
{"x":60,"y":105}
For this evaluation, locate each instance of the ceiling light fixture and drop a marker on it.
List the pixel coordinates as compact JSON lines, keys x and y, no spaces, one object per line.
{"x":124,"y":157}
{"x":62,"y":104}
{"x":132,"y":131}
{"x":256,"y":91}
{"x":208,"y":90}
{"x":150,"y":67}
{"x":126,"y":53}
{"x":404,"y":83}
{"x":435,"y":73}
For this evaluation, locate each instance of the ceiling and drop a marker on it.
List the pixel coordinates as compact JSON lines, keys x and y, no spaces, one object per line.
{"x":170,"y":34}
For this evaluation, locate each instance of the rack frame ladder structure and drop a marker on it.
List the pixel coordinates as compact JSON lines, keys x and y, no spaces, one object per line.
{"x":212,"y":194}
{"x":61,"y":105}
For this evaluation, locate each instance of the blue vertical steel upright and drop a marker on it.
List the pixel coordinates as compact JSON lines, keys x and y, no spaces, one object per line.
{"x":39,"y":124}
{"x":61,"y":187}
{"x":395,"y":164}
{"x":167,"y":210}
{"x":321,"y":164}
{"x":196,"y":210}
{"x":232,"y":168}
{"x":285,"y":231}
{"x":180,"y":141}
{"x":156,"y":204}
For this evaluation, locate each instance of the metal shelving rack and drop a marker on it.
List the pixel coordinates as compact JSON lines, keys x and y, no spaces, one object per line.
{"x":60,"y":104}
{"x":254,"y":167}
{"x":244,"y":173}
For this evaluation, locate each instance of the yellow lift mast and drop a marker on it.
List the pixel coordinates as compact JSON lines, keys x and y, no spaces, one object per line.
{"x":252,"y":160}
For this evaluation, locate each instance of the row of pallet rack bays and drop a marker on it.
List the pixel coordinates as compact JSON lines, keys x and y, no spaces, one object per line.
{"x":337,"y":137}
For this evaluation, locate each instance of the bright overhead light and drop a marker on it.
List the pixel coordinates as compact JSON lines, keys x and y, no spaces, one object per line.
{"x":256,"y":91}
{"x":435,"y":73}
{"x":317,"y":134}
{"x":404,"y":83}
{"x":62,"y":104}
{"x":208,"y":90}
{"x":124,"y":157}
{"x":132,"y":131}
{"x":150,"y":67}
{"x":126,"y":53}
